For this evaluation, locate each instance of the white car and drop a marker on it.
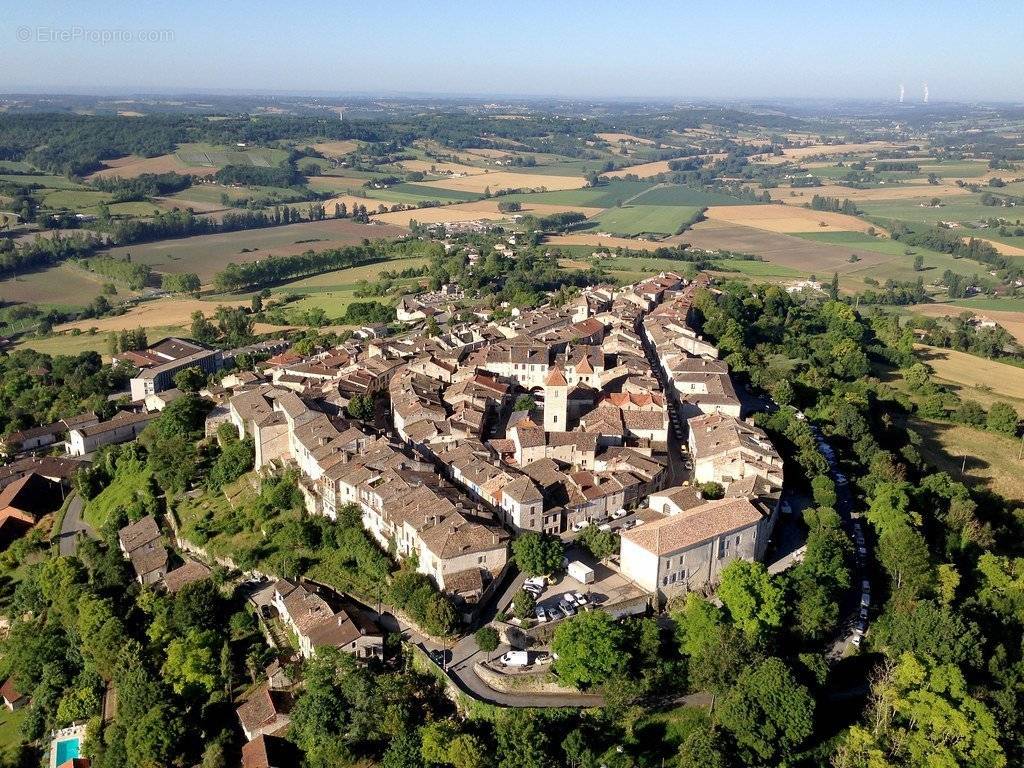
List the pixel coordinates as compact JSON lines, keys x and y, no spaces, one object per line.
{"x":619,"y":513}
{"x":638,"y":521}
{"x":604,"y":527}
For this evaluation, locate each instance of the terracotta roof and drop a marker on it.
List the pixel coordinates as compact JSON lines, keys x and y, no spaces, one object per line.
{"x":187,"y":574}
{"x":139,"y":533}
{"x":555,"y":378}
{"x":9,"y":691}
{"x":262,"y":708}
{"x":269,"y":752}
{"x":694,"y":526}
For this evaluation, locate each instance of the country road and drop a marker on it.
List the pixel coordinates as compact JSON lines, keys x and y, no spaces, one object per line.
{"x":74,"y":526}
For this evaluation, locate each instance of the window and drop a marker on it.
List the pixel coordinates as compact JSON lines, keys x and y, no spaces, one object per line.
{"x":664,"y":581}
{"x":721,"y":548}
{"x":481,"y":559}
{"x":673,"y":579}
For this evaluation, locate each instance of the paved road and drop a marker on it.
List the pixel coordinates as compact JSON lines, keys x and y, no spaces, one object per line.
{"x":74,"y":526}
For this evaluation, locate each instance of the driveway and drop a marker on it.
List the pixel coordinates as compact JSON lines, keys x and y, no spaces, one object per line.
{"x":74,"y":527}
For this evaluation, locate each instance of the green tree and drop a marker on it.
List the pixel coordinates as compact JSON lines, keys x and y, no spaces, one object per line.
{"x":523,"y":604}
{"x":522,"y":743}
{"x":190,"y":379}
{"x":752,"y":598}
{"x":193,"y":663}
{"x":768,"y":712}
{"x":590,"y":649}
{"x":1002,"y":419}
{"x":487,"y":639}
{"x":538,"y":554}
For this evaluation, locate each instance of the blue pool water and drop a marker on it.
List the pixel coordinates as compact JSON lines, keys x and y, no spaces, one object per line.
{"x":68,"y":749}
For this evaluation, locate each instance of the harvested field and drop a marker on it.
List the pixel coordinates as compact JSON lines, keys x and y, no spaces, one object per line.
{"x":610,"y":243}
{"x":160,"y":312}
{"x":1003,"y":248}
{"x":438,"y":167}
{"x":975,"y":377}
{"x":1012,"y":321}
{"x":481,"y":209}
{"x":879,"y":194}
{"x":208,"y":254}
{"x":798,"y":153}
{"x":133,"y":165}
{"x":626,"y":137}
{"x":785,"y":218}
{"x":496,"y":180}
{"x":336,"y":148}
{"x":644,"y":171}
{"x":794,"y":252}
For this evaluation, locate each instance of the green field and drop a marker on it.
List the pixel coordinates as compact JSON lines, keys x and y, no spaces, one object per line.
{"x":219,"y":156}
{"x":77,"y":200}
{"x":603,"y":196}
{"x":425,"y":193}
{"x":44,"y":180}
{"x":61,"y":286}
{"x":954,"y":208}
{"x":901,"y":267}
{"x":66,"y":344}
{"x":632,"y":220}
{"x":989,"y":303}
{"x":758,"y":268}
{"x":15,"y":165}
{"x":676,"y":194}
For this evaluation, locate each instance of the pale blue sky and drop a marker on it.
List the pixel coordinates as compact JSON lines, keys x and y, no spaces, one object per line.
{"x":790,"y":48}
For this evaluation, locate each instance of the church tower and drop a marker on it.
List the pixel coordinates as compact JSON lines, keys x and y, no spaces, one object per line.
{"x":556,"y":401}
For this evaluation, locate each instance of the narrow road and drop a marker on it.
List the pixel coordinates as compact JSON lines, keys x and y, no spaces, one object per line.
{"x":74,"y":527}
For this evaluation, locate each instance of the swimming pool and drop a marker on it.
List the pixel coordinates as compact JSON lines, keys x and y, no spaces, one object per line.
{"x":68,"y":749}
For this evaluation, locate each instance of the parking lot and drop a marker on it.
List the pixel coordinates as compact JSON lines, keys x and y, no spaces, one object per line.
{"x":565,"y":595}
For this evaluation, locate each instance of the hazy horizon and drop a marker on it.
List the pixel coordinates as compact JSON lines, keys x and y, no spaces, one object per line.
{"x":729,"y":52}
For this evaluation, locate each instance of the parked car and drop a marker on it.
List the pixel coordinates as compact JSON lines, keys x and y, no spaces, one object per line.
{"x":638,"y":521}
{"x":863,"y":613}
{"x":581,"y":599}
{"x":619,"y":513}
{"x":541,"y":614}
{"x":856,"y":640}
{"x":516,"y":659}
{"x":865,"y":586}
{"x":865,"y":600}
{"x":566,"y":608}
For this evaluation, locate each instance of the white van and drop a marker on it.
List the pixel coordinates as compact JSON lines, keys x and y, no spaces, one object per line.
{"x":516,"y":659}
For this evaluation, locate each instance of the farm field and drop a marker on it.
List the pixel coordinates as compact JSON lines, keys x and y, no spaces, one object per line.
{"x":901,"y":264}
{"x":677,"y":194}
{"x":916,"y":209}
{"x":614,"y":138}
{"x":800,"y":153}
{"x":604,"y":196}
{"x":601,"y":242}
{"x":407,"y":194}
{"x":495,"y":180}
{"x":642,"y":171}
{"x":889,"y":192}
{"x":991,"y":459}
{"x":133,"y":165}
{"x":1009,"y":313}
{"x":784,"y":218}
{"x":208,"y":254}
{"x":63,"y":285}
{"x":438,"y":167}
{"x":158,"y":313}
{"x":42,"y":179}
{"x":802,"y":255}
{"x":219,"y":156}
{"x":632,"y":220}
{"x":976,"y":378}
{"x":67,"y":343}
{"x":480,"y":209}
{"x":336,"y":148}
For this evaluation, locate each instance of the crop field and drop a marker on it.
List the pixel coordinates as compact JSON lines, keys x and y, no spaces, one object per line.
{"x":63,"y":285}
{"x":800,"y":153}
{"x":975,"y":377}
{"x":642,"y":171}
{"x":131,"y":166}
{"x":785,"y":218}
{"x":495,"y":180}
{"x":480,"y":209}
{"x":1006,"y":248}
{"x":408,"y":194}
{"x":208,"y":254}
{"x":632,"y":220}
{"x":219,"y":156}
{"x":991,"y":459}
{"x":1009,"y":313}
{"x":605,"y":243}
{"x":167,"y":312}
{"x":604,"y":196}
{"x":677,"y":194}
{"x":615,"y":138}
{"x":438,"y":167}
{"x":882,"y":195}
{"x":76,"y":200}
{"x":336,"y":148}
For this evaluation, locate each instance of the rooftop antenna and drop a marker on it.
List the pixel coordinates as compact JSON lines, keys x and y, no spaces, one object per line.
{"x":902,"y":92}
{"x":926,"y":93}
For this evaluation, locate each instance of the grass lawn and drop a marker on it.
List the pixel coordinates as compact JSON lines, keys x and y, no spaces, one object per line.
{"x":991,"y":458}
{"x":10,"y":729}
{"x":757,"y":268}
{"x":636,"y":219}
{"x":76,"y":200}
